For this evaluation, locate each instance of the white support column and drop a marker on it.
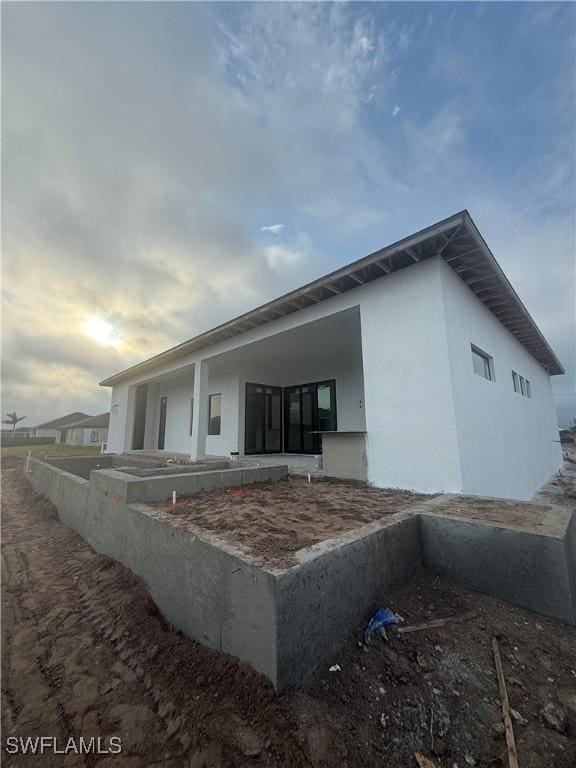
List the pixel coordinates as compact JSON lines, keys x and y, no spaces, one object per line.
{"x":200,"y":417}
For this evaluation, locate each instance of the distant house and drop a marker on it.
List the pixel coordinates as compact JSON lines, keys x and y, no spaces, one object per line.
{"x":8,"y":432}
{"x":90,"y":431}
{"x":57,"y":427}
{"x":22,"y":431}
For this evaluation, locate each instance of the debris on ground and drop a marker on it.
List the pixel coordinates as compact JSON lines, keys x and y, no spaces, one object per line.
{"x":377,"y":625}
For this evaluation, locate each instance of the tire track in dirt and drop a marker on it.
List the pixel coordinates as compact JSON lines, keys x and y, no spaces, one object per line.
{"x":87,"y":653}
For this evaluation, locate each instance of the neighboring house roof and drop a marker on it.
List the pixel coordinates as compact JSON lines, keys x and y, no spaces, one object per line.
{"x":456,"y":239}
{"x":101,"y":421}
{"x":63,"y":421}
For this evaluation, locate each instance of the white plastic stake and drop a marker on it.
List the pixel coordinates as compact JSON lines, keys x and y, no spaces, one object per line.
{"x":28,"y":461}
{"x":173,"y":498}
{"x":309,"y":479}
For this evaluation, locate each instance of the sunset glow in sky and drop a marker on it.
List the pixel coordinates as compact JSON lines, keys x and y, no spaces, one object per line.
{"x":100,"y":331}
{"x":167,"y":166}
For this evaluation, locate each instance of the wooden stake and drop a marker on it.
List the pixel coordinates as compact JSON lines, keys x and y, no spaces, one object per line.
{"x":510,"y":741}
{"x":434,"y":624}
{"x":423,"y":761}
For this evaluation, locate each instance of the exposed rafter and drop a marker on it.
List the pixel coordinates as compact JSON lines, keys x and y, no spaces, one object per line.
{"x":456,"y":240}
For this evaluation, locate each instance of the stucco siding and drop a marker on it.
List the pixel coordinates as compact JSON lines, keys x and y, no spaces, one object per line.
{"x":118,"y":439}
{"x":410,"y":419}
{"x":506,"y":441}
{"x":226,"y":385}
{"x":46,"y":433}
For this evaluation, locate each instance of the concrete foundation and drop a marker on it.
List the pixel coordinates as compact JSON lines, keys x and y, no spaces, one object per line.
{"x":529,"y":562}
{"x":286,"y":621}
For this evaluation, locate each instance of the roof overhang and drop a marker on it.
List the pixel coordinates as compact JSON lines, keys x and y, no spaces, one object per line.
{"x":455,"y":239}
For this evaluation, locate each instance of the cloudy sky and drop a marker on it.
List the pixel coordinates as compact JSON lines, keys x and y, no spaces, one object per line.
{"x":168,"y":166}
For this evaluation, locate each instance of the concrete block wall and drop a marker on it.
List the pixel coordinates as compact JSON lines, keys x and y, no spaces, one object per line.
{"x":283,"y":622}
{"x":286,"y":621}
{"x":337,"y":589}
{"x":211,"y":594}
{"x":532,"y":570}
{"x":130,"y":488}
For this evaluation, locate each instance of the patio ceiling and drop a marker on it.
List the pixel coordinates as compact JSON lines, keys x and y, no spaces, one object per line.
{"x":456,"y":239}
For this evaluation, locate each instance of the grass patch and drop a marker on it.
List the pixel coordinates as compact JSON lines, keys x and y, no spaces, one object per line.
{"x":52,"y":449}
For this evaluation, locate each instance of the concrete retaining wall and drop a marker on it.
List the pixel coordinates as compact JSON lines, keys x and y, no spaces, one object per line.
{"x":337,"y":588}
{"x":282,"y":622}
{"x":129,"y":489}
{"x":528,"y":569}
{"x":286,"y":621}
{"x":209,"y":593}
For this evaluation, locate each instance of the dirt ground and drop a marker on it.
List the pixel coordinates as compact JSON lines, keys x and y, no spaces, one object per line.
{"x":85,"y":652}
{"x":270,"y":521}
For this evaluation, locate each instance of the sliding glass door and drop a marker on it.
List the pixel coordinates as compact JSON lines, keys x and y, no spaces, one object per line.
{"x":263,"y":419}
{"x":308,"y":409}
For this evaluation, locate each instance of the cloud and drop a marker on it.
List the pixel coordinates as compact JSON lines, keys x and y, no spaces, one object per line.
{"x":280,"y":257}
{"x":275,"y":229}
{"x":396,"y":111}
{"x":144,"y":143}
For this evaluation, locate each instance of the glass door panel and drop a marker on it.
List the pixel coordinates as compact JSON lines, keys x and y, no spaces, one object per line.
{"x":162,"y":425}
{"x":293,"y":439}
{"x":273,"y":437}
{"x":308,"y":421}
{"x":326,"y":402}
{"x":263,"y":419}
{"x":308,"y":409}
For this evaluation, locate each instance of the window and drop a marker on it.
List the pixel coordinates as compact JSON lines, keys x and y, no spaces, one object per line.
{"x":482,"y":364}
{"x":521,"y":385}
{"x":191,"y":414}
{"x":214,"y":414}
{"x":94,"y":436}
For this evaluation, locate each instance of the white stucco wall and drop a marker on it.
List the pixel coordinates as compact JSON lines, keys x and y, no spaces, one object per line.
{"x":46,"y":433}
{"x":226,"y":384}
{"x":432,"y":424}
{"x":118,"y":439}
{"x":81,"y":436}
{"x":177,"y":415}
{"x":410,"y":417}
{"x":506,"y":441}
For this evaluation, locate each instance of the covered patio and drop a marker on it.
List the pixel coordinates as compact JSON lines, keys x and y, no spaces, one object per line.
{"x":269,"y":398}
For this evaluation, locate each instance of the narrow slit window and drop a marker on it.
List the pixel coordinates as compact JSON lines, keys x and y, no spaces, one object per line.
{"x":214,"y":414}
{"x":482,"y":364}
{"x":521,"y":385}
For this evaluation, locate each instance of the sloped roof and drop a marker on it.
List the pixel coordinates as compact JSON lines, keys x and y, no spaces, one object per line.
{"x":456,"y":239}
{"x":63,"y":421}
{"x":101,"y":421}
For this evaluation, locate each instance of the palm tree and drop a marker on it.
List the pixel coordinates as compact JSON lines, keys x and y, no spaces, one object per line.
{"x":13,"y":419}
